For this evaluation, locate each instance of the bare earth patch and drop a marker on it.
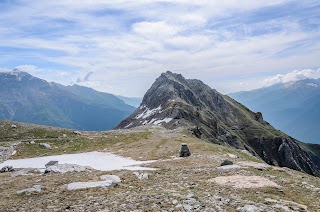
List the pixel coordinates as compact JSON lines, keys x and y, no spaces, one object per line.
{"x":239,"y":181}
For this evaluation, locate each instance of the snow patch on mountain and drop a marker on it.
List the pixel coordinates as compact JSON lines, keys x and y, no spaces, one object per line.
{"x":313,"y":85}
{"x":147,"y":112}
{"x":167,"y":120}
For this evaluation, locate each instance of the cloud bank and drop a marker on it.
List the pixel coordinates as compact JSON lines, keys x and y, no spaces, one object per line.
{"x":292,"y":76}
{"x":125,"y":45}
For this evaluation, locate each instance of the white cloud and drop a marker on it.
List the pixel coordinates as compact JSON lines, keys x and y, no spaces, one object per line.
{"x":121,"y":39}
{"x":28,"y":68}
{"x":155,"y":30}
{"x":292,"y":76}
{"x":5,"y":70}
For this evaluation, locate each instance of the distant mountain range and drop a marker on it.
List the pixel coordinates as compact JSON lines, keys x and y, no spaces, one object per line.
{"x":133,"y":101}
{"x":173,"y":102}
{"x":26,"y":98}
{"x":292,"y":107}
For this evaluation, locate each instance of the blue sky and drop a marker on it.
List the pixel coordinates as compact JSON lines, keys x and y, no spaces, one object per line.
{"x":121,"y":46}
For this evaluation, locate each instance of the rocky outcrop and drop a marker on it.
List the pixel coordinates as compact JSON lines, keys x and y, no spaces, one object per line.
{"x":173,"y":101}
{"x":5,"y":153}
{"x":259,"y":117}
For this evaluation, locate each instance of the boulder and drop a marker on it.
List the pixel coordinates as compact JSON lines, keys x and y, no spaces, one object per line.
{"x":28,"y":191}
{"x":13,"y":126}
{"x":259,"y":117}
{"x":184,"y":151}
{"x":45,"y":145}
{"x":63,"y":168}
{"x":85,"y":185}
{"x":226,"y":162}
{"x":77,"y":132}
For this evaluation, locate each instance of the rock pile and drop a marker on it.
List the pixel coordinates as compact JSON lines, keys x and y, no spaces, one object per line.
{"x":7,"y":169}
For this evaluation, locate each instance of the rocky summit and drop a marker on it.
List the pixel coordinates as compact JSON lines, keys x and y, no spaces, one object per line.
{"x":174,"y":102}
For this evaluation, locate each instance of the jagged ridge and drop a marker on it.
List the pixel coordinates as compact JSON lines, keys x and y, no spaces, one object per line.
{"x":174,"y":101}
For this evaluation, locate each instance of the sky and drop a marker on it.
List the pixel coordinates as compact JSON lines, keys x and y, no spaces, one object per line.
{"x":122,"y":46}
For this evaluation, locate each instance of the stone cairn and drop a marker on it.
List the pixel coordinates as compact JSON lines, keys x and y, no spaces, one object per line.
{"x":184,"y":151}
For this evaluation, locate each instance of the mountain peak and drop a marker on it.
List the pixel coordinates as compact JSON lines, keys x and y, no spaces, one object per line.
{"x":173,"y":102}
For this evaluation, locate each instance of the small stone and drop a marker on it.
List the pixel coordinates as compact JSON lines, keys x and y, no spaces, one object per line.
{"x":174,"y":201}
{"x":32,"y":142}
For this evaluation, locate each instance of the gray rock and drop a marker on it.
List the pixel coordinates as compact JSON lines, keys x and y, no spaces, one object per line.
{"x":63,"y":168}
{"x":114,"y":178}
{"x":141,"y":176}
{"x":85,"y":185}
{"x":248,"y":208}
{"x":28,"y":191}
{"x":184,"y":151}
{"x":45,"y":145}
{"x":77,"y":132}
{"x":226,"y":162}
{"x":228,"y":167}
{"x":32,"y":142}
{"x":6,"y":152}
{"x":7,"y":169}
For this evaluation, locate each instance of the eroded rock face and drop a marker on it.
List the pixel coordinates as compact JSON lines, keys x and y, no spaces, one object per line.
{"x":173,"y":101}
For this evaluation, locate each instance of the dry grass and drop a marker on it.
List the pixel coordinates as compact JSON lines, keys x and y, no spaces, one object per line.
{"x":175,"y":179}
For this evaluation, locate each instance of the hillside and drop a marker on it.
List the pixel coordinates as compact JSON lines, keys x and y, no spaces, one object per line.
{"x":295,"y":107}
{"x":26,"y":98}
{"x":173,"y":101}
{"x":195,"y":183}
